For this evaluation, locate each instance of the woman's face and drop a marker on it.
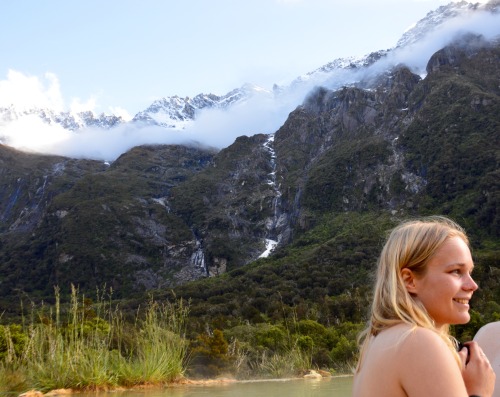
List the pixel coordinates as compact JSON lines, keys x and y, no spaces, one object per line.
{"x":447,"y":286}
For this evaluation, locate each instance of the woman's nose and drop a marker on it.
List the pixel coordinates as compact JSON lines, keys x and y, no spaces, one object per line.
{"x":470,"y":284}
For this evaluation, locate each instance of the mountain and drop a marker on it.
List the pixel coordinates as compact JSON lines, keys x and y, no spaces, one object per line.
{"x":67,"y":120}
{"x":351,"y":164}
{"x":435,"y":19}
{"x":172,"y":112}
{"x":160,"y":216}
{"x":177,"y":113}
{"x":345,"y":165}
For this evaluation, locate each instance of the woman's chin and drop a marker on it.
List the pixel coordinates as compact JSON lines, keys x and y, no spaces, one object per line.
{"x":463,"y":320}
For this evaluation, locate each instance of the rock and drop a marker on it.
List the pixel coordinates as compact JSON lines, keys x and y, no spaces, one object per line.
{"x":313,"y":375}
{"x":324,"y":374}
{"x":32,"y":393}
{"x":59,"y":392}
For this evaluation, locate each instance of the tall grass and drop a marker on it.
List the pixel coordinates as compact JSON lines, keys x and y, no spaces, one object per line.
{"x":74,"y":353}
{"x":93,"y":348}
{"x":160,"y":352}
{"x":12,"y":380}
{"x":288,"y":363}
{"x":271,"y":351}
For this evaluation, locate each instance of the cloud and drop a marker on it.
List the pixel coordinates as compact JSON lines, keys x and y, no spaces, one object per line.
{"x":119,"y":111}
{"x":27,"y":92}
{"x":262,"y":113}
{"x":215,"y":128}
{"x":417,"y":55}
{"x":30,"y":133}
{"x":78,"y":106}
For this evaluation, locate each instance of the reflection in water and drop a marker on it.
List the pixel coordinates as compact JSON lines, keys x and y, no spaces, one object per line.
{"x":327,"y":387}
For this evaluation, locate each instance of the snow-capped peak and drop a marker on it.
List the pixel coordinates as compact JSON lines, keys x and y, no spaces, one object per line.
{"x":68,"y":120}
{"x":437,"y":17}
{"x":175,"y":112}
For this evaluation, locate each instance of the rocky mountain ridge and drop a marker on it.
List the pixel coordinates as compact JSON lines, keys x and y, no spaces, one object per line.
{"x":160,"y":216}
{"x":67,"y":120}
{"x":177,"y":113}
{"x":397,"y":144}
{"x":440,"y":16}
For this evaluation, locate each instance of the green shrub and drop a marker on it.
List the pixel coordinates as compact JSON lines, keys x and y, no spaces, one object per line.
{"x":344,"y":352}
{"x":209,"y":354}
{"x":12,"y":341}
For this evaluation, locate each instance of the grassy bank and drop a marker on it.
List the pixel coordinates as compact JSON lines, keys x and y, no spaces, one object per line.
{"x":90,"y":346}
{"x":87,"y":345}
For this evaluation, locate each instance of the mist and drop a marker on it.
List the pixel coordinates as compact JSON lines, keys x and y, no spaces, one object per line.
{"x":215,"y":128}
{"x":262,"y":113}
{"x":417,"y":55}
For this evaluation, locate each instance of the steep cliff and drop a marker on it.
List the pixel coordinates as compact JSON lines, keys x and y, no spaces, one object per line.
{"x":393,"y":146}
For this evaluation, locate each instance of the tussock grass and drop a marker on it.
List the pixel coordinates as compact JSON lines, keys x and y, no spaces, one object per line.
{"x":289,"y":363}
{"x":90,"y":347}
{"x":160,"y":352}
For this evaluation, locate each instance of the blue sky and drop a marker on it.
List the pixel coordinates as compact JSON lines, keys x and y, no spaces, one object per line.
{"x":120,"y":55}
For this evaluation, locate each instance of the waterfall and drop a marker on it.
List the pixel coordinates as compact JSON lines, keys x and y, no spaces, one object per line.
{"x":198,"y":256}
{"x":272,"y":239}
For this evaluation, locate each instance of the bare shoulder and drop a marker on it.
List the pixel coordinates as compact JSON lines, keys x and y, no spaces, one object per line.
{"x":426,"y":346}
{"x":409,"y":361}
{"x":411,"y":341}
{"x":422,"y":339}
{"x":428,"y":366}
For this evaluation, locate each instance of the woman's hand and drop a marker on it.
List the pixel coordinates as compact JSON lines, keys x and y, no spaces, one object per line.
{"x":478,"y":375}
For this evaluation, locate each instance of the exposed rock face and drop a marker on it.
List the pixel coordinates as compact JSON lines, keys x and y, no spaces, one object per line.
{"x":29,"y":182}
{"x":164,"y":215}
{"x":339,"y":151}
{"x":231,"y":203}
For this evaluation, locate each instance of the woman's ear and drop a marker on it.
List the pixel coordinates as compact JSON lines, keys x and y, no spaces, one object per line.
{"x":409,"y":280}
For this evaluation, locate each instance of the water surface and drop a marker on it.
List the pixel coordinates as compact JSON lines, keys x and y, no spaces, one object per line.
{"x":326,"y":387}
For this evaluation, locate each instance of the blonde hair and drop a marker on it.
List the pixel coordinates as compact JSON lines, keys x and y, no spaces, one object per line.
{"x":409,"y":245}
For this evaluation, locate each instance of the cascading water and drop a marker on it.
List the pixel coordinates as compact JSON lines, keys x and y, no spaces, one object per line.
{"x":198,"y":257}
{"x":272,"y":237}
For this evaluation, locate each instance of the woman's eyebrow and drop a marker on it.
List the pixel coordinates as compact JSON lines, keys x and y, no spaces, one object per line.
{"x":459,"y":264}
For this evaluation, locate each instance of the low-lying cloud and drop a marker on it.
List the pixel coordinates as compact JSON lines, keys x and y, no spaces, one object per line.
{"x":417,"y":55}
{"x":215,"y":127}
{"x":262,"y":113}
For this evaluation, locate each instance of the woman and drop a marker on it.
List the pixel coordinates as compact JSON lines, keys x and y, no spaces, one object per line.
{"x":423,"y":285}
